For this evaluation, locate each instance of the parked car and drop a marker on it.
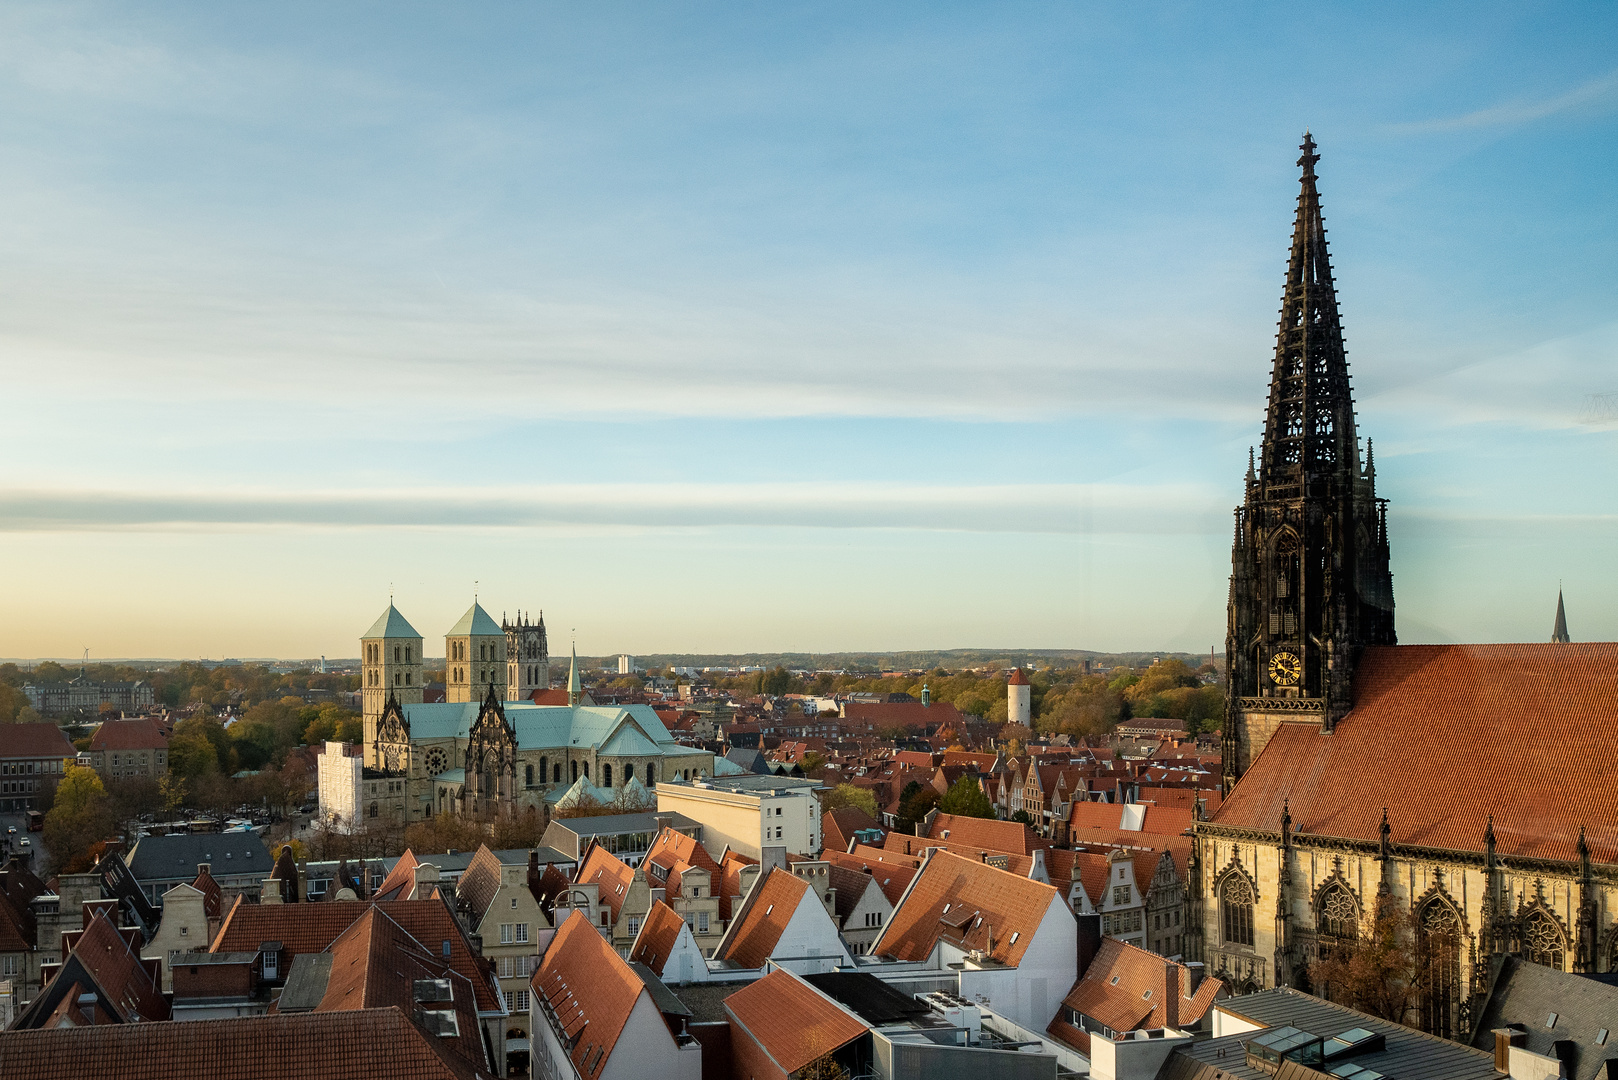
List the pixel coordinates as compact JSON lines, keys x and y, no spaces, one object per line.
{"x":25,"y":843}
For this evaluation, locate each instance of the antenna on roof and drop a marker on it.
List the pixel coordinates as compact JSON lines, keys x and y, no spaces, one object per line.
{"x":474,"y":591}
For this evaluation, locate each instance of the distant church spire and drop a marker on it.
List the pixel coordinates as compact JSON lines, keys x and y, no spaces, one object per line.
{"x":1310,"y":586}
{"x":575,"y":688}
{"x":1559,"y":631}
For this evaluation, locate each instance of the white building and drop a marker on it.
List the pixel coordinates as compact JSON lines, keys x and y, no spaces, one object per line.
{"x":784,"y":923}
{"x":1013,"y":941}
{"x":1019,"y":699}
{"x":748,"y":813}
{"x":626,"y":664}
{"x":340,"y":781}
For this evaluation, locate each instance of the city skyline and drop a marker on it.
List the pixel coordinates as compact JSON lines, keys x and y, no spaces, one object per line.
{"x":709,"y":333}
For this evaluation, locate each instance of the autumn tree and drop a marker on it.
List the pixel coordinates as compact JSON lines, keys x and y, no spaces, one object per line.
{"x":1387,"y":967}
{"x":848,"y":795}
{"x":82,"y":817}
{"x":965,"y":797}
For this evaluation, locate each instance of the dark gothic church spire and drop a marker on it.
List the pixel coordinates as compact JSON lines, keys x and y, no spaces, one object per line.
{"x":1559,"y":631}
{"x":1310,"y":586}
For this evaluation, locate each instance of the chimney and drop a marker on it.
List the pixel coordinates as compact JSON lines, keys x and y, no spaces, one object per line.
{"x":1191,"y":977}
{"x":1504,"y":1039}
{"x":1089,"y":937}
{"x":1171,"y":995}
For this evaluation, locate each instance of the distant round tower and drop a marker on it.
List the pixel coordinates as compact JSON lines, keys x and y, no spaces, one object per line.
{"x":1019,"y":699}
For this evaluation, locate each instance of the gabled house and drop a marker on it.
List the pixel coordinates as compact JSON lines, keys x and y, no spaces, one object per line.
{"x":594,"y":1018}
{"x":690,"y":881}
{"x":784,"y":922}
{"x":782,"y":1027}
{"x":191,"y":918}
{"x":497,"y":905}
{"x":1013,"y":940}
{"x":101,"y":980}
{"x":624,"y":895}
{"x":667,"y":946}
{"x":1128,"y":989}
{"x":861,"y":907}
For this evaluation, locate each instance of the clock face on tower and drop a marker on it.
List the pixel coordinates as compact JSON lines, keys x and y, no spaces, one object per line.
{"x":435,"y":761}
{"x":1285,"y":669}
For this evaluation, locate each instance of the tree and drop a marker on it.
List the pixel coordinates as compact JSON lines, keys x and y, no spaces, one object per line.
{"x":814,"y":765}
{"x":824,"y":1067}
{"x":914,"y":803}
{"x":848,"y":795}
{"x":81,"y":818}
{"x":1384,"y":969}
{"x":776,"y":682}
{"x":965,"y":797}
{"x":1022,"y":817}
{"x":444,"y":832}
{"x":172,"y":790}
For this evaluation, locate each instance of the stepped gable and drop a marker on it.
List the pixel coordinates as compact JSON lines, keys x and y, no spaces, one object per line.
{"x":1457,"y":709}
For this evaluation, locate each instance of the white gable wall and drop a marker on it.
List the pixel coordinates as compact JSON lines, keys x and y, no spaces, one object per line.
{"x":1030,"y":993}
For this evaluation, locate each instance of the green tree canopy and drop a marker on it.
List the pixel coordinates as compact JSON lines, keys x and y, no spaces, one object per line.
{"x":965,"y":797}
{"x":848,"y":795}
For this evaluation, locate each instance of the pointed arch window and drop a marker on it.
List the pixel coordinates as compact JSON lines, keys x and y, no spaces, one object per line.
{"x":530,"y":776}
{"x":1440,"y":963}
{"x":1542,"y":940}
{"x":606,"y":776}
{"x":1236,"y":910}
{"x":1338,"y":915}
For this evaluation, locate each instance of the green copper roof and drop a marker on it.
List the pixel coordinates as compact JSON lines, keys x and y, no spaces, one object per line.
{"x":390,"y":624}
{"x":475,"y":622}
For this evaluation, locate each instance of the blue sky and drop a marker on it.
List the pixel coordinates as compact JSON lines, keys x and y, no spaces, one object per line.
{"x":714,"y":328}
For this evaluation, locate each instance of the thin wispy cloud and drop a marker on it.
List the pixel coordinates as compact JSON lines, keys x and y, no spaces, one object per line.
{"x":1599,"y":94}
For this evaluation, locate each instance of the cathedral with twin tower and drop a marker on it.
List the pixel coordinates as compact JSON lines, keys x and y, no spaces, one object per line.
{"x":497,"y":744}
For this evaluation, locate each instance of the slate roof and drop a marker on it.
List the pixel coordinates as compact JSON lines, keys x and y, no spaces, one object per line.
{"x":476,"y":621}
{"x":176,"y":857}
{"x":540,"y":727}
{"x":44,"y":740}
{"x":978,"y":897}
{"x":304,"y":1046}
{"x":590,"y":988}
{"x":1457,"y":709}
{"x":791,"y":1020}
{"x":1410,"y":1055}
{"x":1525,"y":993}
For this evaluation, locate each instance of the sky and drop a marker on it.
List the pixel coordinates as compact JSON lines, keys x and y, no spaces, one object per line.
{"x":721,"y":328}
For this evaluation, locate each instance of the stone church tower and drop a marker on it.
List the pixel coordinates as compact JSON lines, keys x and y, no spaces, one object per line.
{"x":390,"y":663}
{"x":1310,"y":585}
{"x":528,"y":657}
{"x":475,"y":657}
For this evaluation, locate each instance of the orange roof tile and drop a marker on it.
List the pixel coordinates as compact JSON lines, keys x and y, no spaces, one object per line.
{"x":241,"y":1048}
{"x":1457,"y":710}
{"x":614,"y":876}
{"x":590,"y":989}
{"x":891,"y":877}
{"x":1018,"y":678}
{"x":988,"y":834}
{"x":759,"y":925}
{"x":657,"y":937}
{"x":136,"y":734}
{"x":979,"y":899}
{"x":792,"y":1021}
{"x":1127,"y":988}
{"x":730,"y":881}
{"x":672,"y":854}
{"x":401,"y":879}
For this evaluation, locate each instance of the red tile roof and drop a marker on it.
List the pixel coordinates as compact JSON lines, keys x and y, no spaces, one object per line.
{"x":590,"y":989}
{"x":988,"y":834}
{"x":891,"y":877}
{"x":657,"y":937}
{"x":911,"y":714}
{"x":1127,"y":989}
{"x":128,"y":983}
{"x":1018,"y":678}
{"x":792,"y":1021}
{"x":608,"y":871}
{"x":759,"y":925}
{"x":136,"y":734}
{"x":478,"y":885}
{"x":36,"y":741}
{"x":1458,"y":711}
{"x":556,"y":696}
{"x":213,"y":897}
{"x":400,"y":880}
{"x":730,"y":881}
{"x":304,"y":1046}
{"x":979,"y":898}
{"x":674,"y":853}
{"x":837,"y":827}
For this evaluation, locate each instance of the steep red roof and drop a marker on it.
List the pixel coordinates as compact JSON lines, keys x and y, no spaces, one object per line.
{"x":770,"y":906}
{"x":213,"y":897}
{"x":128,"y":983}
{"x":730,"y":881}
{"x":611,"y":873}
{"x":1128,"y":989}
{"x":1018,"y":678}
{"x":136,"y":734}
{"x":657,"y":937}
{"x":1458,"y":711}
{"x":790,"y":1020}
{"x":35,"y":741}
{"x":837,"y":827}
{"x":979,"y":899}
{"x":1012,"y":837}
{"x":556,"y":696}
{"x":401,"y":879}
{"x":590,"y":989}
{"x":480,"y":882}
{"x":910,"y":714}
{"x":672,"y":854}
{"x":891,"y":877}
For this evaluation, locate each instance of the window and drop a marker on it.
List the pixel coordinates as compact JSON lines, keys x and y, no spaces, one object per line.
{"x":522,"y":932}
{"x":272,"y":964}
{"x":1542,"y":939}
{"x":606,"y":776}
{"x":506,"y":933}
{"x":513,"y":903}
{"x":11,"y":965}
{"x":634,"y":925}
{"x":702,"y":922}
{"x":506,"y":967}
{"x":1339,"y":915}
{"x":1236,"y":907}
{"x":517,"y":1000}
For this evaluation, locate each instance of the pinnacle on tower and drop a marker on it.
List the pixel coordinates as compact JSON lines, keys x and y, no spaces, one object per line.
{"x":1559,"y":631}
{"x":575,"y":688}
